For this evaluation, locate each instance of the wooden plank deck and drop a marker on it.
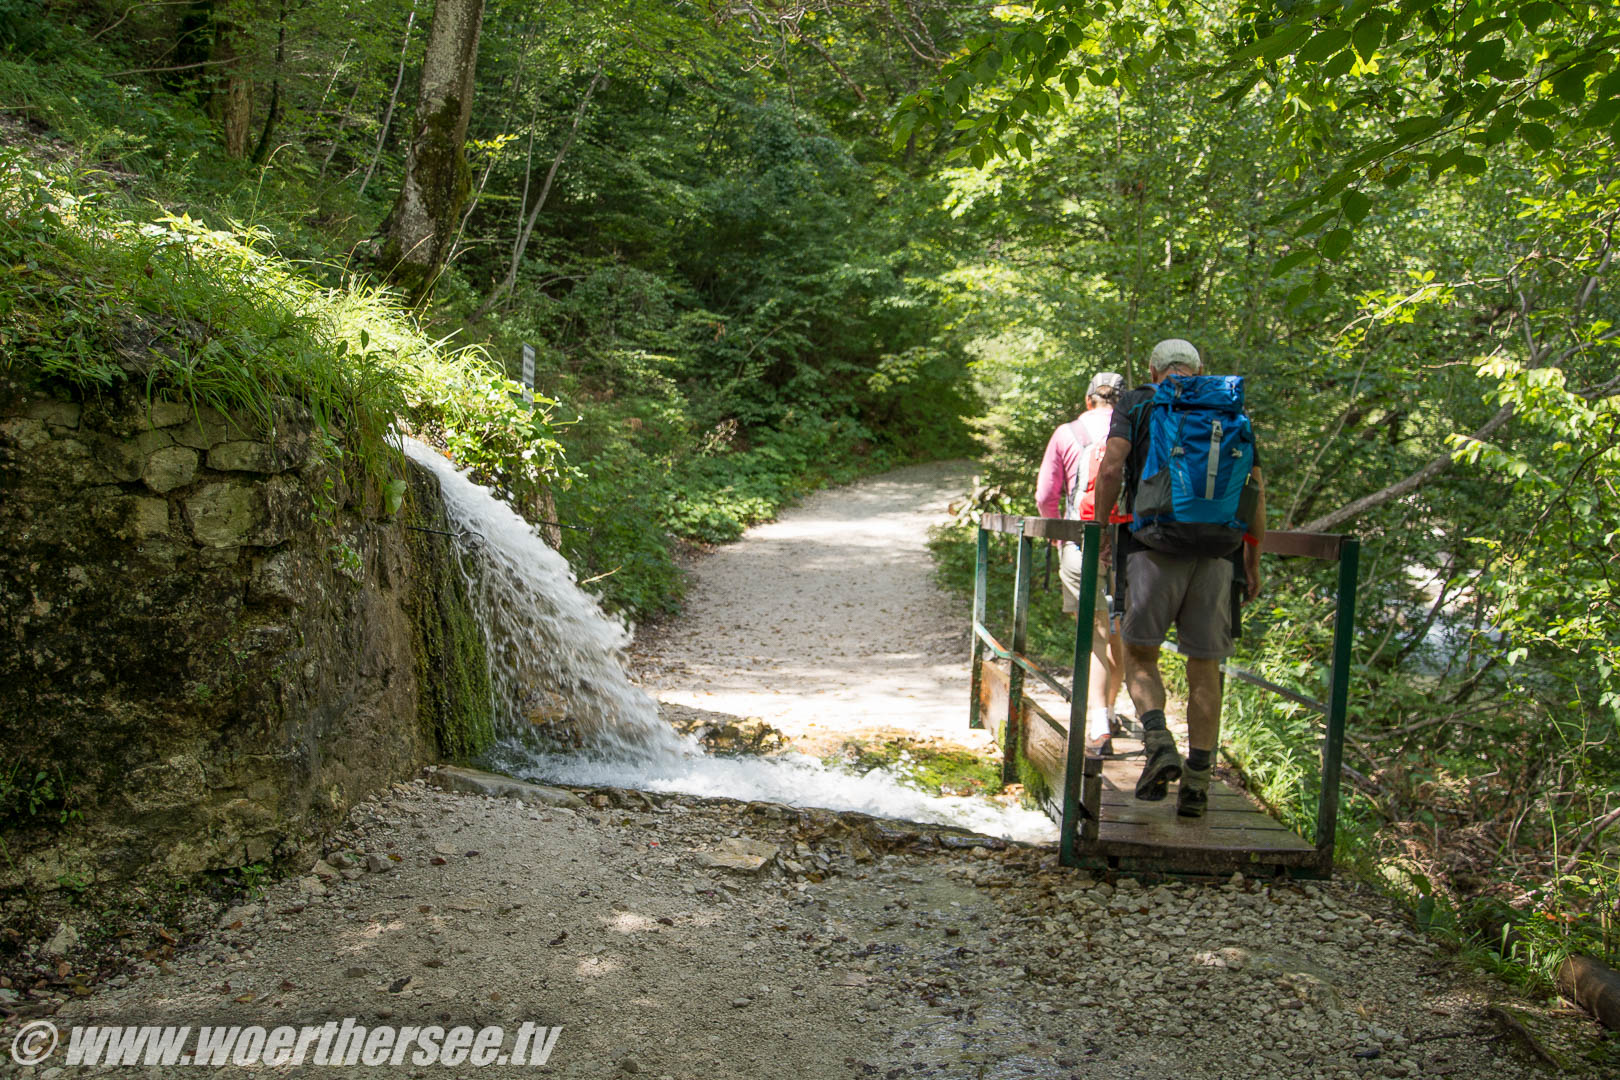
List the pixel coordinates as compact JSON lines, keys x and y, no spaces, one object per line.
{"x":1235,"y":834}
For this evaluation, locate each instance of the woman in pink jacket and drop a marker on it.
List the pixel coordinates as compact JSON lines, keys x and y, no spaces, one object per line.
{"x":1067,"y":472}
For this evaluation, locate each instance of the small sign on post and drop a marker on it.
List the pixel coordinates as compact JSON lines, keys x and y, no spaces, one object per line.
{"x":528,"y":374}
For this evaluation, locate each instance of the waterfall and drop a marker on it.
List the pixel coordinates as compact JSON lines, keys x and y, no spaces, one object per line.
{"x":565,"y":710}
{"x":555,"y":658}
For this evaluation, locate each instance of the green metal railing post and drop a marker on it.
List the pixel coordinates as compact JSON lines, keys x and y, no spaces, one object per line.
{"x":1074,"y":755}
{"x":1344,"y":622}
{"x":1015,"y":674}
{"x":981,"y":595}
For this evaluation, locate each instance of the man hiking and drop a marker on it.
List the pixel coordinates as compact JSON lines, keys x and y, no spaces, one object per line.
{"x":1065,"y":488}
{"x":1192,"y":585}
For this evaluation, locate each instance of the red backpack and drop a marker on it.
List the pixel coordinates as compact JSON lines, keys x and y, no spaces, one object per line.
{"x":1083,"y":499}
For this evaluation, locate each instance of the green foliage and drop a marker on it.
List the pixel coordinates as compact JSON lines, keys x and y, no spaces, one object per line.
{"x":745,"y":281}
{"x":1050,"y":632}
{"x":1387,"y":92}
{"x":97,"y":299}
{"x":724,"y":252}
{"x":253,"y":877}
{"x":931,"y":769}
{"x":30,"y":796}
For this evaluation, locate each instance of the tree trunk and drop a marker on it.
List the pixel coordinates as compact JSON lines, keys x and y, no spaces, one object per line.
{"x":230,"y":105}
{"x":207,"y":43}
{"x":418,"y":231}
{"x":261,"y":154}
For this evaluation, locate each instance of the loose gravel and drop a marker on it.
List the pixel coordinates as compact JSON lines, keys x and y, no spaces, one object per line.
{"x":857,"y":949}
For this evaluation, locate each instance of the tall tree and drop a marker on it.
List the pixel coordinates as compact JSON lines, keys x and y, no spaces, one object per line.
{"x":209,"y":59}
{"x":418,"y":232}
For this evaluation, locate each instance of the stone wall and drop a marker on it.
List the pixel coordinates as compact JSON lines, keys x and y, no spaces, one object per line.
{"x":211,"y":643}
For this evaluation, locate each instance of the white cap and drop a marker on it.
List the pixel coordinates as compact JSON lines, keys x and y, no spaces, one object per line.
{"x":1173,"y":351}
{"x":1111,"y":380}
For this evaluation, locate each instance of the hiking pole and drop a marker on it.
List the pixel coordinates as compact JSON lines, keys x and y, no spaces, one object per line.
{"x":1116,"y":602}
{"x":1046,"y":582}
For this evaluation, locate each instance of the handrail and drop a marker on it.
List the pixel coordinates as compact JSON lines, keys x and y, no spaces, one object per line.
{"x":1309,"y":545}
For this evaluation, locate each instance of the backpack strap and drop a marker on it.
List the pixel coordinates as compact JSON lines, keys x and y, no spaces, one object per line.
{"x":1141,"y":412}
{"x":1076,"y":433}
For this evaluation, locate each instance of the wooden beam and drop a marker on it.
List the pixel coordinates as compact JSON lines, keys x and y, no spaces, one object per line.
{"x":1308,"y":545}
{"x":1035,"y":527}
{"x":1302,"y":544}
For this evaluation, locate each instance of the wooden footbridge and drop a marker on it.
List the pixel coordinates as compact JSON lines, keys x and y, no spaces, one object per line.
{"x":1102,"y":824}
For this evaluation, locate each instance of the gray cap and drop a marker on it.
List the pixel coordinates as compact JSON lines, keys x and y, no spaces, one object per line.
{"x":1110,"y":380}
{"x":1173,"y":351}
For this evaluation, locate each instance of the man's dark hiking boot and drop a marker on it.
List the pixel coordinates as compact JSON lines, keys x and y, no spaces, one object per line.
{"x":1192,"y":798}
{"x":1163,"y":765}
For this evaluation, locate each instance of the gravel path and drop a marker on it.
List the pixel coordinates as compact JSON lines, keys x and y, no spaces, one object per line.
{"x":693,"y":939}
{"x":836,"y":959}
{"x":826,"y":623}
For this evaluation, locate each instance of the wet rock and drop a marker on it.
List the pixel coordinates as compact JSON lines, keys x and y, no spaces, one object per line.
{"x":247,"y":456}
{"x":169,"y":468}
{"x":55,"y":413}
{"x":149,"y":517}
{"x":476,"y":782}
{"x":164,"y":414}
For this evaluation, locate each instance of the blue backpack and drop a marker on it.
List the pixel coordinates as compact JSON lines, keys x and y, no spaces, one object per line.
{"x":1189,"y":498}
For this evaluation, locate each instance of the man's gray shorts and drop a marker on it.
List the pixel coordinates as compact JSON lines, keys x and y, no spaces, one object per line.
{"x":1194,"y":593}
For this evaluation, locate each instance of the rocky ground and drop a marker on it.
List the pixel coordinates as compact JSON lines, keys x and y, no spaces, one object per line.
{"x":685,"y":938}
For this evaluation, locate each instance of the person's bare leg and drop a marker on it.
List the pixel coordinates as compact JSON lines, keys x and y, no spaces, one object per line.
{"x":1203,"y":704}
{"x":1203,"y":735}
{"x":1142,"y":677}
{"x":1101,"y":677}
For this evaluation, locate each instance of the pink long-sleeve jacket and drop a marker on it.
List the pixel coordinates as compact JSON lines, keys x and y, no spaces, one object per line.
{"x":1060,"y":468}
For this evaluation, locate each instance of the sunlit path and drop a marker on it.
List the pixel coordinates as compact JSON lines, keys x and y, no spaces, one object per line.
{"x":827,"y":622}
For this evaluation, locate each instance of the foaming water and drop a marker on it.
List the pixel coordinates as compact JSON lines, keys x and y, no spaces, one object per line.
{"x":553,"y":653}
{"x":794,"y":779}
{"x":555,"y":656}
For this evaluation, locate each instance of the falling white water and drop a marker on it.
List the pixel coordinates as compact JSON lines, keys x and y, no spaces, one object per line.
{"x":553,"y":654}
{"x":556,"y":657}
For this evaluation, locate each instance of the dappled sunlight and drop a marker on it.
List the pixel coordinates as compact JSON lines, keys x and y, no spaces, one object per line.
{"x":597,"y":967}
{"x":629,"y":922}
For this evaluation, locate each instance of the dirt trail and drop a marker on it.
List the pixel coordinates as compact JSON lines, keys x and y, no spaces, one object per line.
{"x":691,"y":939}
{"x":827,"y":623}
